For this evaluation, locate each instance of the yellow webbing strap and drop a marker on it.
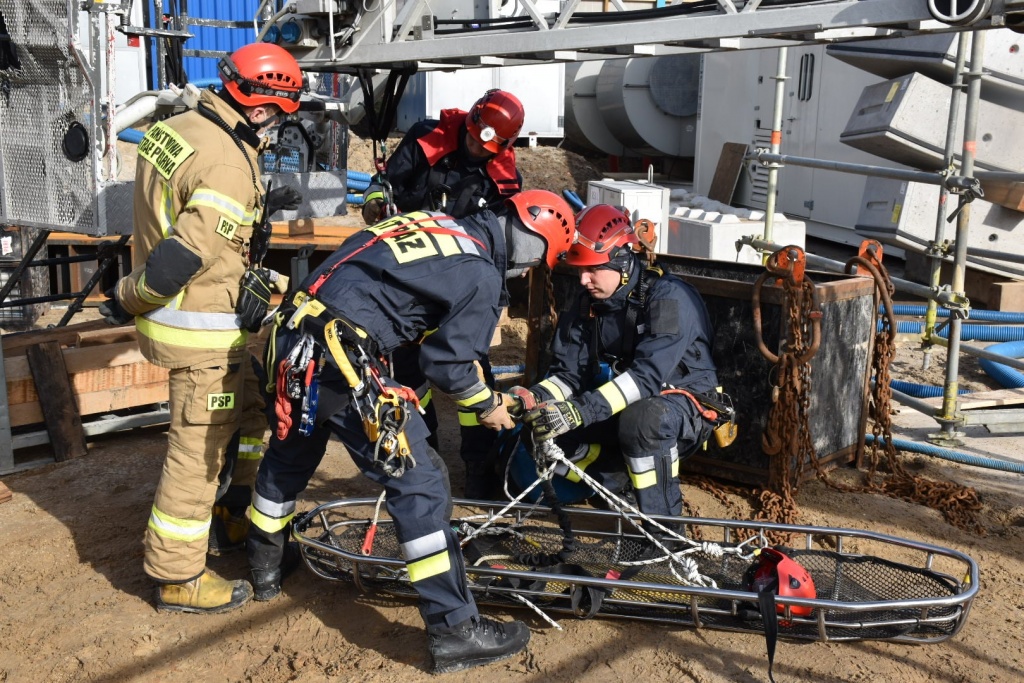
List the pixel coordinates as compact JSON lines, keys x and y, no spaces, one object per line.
{"x":339,"y":355}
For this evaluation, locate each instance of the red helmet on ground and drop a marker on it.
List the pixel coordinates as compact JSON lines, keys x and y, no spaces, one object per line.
{"x":794,"y":580}
{"x":548,"y":215}
{"x":495,"y":120}
{"x":601,"y":229}
{"x":263,"y":73}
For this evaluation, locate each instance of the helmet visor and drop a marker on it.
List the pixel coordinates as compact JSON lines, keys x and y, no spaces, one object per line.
{"x":606,"y":244}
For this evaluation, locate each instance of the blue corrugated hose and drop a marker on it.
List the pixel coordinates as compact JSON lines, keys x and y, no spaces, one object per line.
{"x":952,"y":456}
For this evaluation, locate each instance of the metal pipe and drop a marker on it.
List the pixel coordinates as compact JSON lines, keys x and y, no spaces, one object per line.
{"x":983,"y":353}
{"x":161,"y":55}
{"x":950,"y":395}
{"x":927,"y":177}
{"x":944,"y":297}
{"x":936,"y":248}
{"x":776,"y":145}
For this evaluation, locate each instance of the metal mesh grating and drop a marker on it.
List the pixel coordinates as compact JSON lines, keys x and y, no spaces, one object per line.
{"x":38,"y":103}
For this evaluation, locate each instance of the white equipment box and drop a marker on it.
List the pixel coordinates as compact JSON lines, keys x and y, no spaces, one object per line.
{"x":641,"y":198}
{"x":713,"y":235}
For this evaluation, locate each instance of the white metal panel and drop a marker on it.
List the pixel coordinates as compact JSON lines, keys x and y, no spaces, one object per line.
{"x":728,"y":109}
{"x":642,"y":199}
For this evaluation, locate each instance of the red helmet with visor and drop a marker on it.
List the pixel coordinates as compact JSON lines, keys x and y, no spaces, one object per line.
{"x":549,"y":216}
{"x":601,"y":230}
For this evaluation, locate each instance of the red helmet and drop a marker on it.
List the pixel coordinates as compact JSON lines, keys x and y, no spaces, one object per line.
{"x":495,"y":120}
{"x":794,"y":580}
{"x":263,"y":73}
{"x":601,"y":228}
{"x":548,"y":215}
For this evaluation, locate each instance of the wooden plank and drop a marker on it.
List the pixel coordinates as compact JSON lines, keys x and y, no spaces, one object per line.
{"x":727,"y":172}
{"x":5,"y":493}
{"x":110,"y":335}
{"x":1008,"y":193}
{"x":15,"y":344}
{"x":983,"y":399}
{"x":97,"y":402}
{"x":82,"y":359}
{"x":57,"y":400}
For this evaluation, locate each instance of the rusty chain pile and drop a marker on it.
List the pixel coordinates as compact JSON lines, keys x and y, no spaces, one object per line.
{"x":959,"y":505}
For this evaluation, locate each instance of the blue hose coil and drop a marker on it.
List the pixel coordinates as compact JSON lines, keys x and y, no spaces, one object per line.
{"x":952,"y":456}
{"x":982,"y":315}
{"x":1007,"y":377}
{"x":920,"y":390}
{"x":967,"y":332}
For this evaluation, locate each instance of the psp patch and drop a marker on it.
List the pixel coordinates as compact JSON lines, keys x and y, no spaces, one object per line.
{"x":226,"y":228}
{"x":220,"y":401}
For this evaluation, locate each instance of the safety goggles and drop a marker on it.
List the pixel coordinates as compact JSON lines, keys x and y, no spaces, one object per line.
{"x":250,"y":87}
{"x":606,"y":244}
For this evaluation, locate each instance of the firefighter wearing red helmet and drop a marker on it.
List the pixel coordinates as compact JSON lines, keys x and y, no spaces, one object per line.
{"x":632,"y":358}
{"x":384,"y":287}
{"x":461,"y":164}
{"x":197,"y":197}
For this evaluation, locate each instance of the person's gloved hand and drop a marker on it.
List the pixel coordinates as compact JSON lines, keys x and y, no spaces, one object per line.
{"x":286,"y":197}
{"x":496,"y":417}
{"x":254,"y":297}
{"x":372,"y":210}
{"x":111,"y":310}
{"x":550,"y":420}
{"x":520,"y":401}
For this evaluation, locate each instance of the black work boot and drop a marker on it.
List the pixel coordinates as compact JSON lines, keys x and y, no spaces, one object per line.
{"x":266,"y":583}
{"x":476,"y":642}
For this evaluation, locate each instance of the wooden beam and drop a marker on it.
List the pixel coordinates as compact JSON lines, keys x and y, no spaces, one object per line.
{"x":57,"y":400}
{"x":16,"y":343}
{"x":5,"y":493}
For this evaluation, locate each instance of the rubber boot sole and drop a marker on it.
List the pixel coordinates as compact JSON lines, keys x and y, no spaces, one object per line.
{"x":162,"y":606}
{"x":469,"y":664}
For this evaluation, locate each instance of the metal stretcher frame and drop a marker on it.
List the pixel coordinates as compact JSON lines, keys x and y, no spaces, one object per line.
{"x":939,"y":618}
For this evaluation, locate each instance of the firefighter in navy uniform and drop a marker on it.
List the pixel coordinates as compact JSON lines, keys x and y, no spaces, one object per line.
{"x":460,"y":164}
{"x":197,"y":197}
{"x":416,"y":273}
{"x":632,"y":361}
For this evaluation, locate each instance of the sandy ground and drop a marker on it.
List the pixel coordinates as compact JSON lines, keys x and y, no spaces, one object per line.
{"x":75,"y":605}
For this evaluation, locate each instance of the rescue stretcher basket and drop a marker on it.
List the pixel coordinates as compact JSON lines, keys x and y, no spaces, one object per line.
{"x":869,"y":586}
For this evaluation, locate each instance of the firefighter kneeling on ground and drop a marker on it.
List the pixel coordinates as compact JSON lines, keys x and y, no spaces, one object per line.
{"x":631,"y":365}
{"x":387,"y":286}
{"x":194,"y":296}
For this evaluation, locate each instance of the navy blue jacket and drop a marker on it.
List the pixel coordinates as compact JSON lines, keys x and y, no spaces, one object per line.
{"x":401,"y":287}
{"x":671,"y":348}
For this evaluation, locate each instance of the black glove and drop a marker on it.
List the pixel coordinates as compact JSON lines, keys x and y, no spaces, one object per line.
{"x":111,"y":310}
{"x":373,"y":210}
{"x":254,"y":297}
{"x":286,"y":197}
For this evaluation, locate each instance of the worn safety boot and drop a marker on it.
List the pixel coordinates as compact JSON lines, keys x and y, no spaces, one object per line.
{"x":266,"y":583}
{"x":475,"y":642}
{"x":207,"y":594}
{"x":227,"y":531}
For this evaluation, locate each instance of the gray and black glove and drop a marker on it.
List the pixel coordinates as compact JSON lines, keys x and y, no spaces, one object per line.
{"x":254,"y":297}
{"x":286,"y":198}
{"x":111,"y":310}
{"x":550,"y":420}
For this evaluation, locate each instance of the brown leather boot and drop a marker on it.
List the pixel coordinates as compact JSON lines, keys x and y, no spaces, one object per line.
{"x":227,"y":531}
{"x":207,"y":594}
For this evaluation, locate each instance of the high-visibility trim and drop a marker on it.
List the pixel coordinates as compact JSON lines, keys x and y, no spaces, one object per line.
{"x":429,"y":566}
{"x":644,"y":480}
{"x":620,"y":392}
{"x":481,"y":393}
{"x":233,"y":210}
{"x":370,"y":196}
{"x":425,"y":545}
{"x":591,"y":456}
{"x":143,"y":293}
{"x":166,"y":212}
{"x":466,"y":419}
{"x":177,"y":528}
{"x":194,"y":320}
{"x":270,"y":508}
{"x":642,"y":472}
{"x":558,"y":389}
{"x":250,"y":448}
{"x":269,"y":524}
{"x":192,"y":339}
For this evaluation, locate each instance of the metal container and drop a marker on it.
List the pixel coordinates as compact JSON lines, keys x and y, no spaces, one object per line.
{"x":840,"y":371}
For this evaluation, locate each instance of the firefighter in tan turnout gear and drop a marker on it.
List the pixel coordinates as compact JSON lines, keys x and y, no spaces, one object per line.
{"x":195,"y":292}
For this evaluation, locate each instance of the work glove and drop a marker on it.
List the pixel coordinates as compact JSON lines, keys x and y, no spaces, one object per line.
{"x":520,"y":401}
{"x":550,"y":420}
{"x":254,"y":297}
{"x":279,"y":198}
{"x":496,"y":417}
{"x":111,"y":310}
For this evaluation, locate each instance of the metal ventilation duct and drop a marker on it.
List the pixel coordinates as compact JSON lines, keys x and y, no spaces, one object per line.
{"x":584,"y":125}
